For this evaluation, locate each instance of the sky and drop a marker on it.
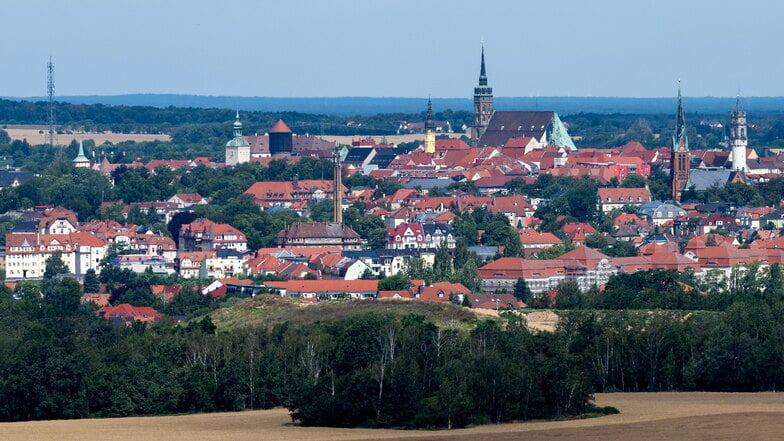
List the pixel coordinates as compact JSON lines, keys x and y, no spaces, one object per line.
{"x":402,"y":48}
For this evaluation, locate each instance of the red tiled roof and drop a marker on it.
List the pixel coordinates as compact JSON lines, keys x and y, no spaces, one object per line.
{"x":280,"y":127}
{"x":323,"y":286}
{"x":613,"y":195}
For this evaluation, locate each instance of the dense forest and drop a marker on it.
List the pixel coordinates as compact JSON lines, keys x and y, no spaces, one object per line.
{"x":377,"y":369}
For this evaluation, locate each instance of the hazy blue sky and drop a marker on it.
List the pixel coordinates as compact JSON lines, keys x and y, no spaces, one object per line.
{"x":401,"y":48}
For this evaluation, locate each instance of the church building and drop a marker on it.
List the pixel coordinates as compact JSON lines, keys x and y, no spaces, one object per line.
{"x":238,"y":149}
{"x":738,"y":137}
{"x":494,"y":128}
{"x":680,"y":159}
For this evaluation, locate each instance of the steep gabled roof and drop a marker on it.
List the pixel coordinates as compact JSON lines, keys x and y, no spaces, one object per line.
{"x":505,"y":124}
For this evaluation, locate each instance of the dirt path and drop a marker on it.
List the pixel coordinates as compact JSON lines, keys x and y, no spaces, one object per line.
{"x":671,"y":416}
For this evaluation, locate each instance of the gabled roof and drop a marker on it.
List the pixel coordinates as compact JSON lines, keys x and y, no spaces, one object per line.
{"x":529,"y":236}
{"x":505,"y":124}
{"x":318,"y":230}
{"x":631,"y":195}
{"x":584,"y":255}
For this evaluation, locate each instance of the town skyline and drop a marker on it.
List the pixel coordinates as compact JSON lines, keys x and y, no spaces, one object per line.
{"x":335,"y":50}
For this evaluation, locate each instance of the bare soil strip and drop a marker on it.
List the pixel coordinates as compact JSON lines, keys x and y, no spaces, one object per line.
{"x":671,"y":416}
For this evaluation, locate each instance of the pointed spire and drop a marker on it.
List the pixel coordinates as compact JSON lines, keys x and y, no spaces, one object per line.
{"x":80,"y":157}
{"x":237,"y":126}
{"x":482,"y":72}
{"x":429,"y":123}
{"x":679,"y":140}
{"x":738,"y":107}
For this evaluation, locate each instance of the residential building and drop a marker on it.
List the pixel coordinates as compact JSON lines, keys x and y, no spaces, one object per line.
{"x":616,"y":198}
{"x":206,"y":235}
{"x":319,"y":234}
{"x":420,"y":236}
{"x":26,"y":254}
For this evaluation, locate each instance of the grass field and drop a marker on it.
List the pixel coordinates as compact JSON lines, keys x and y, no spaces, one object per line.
{"x":37,"y":135}
{"x":644,"y":416}
{"x":270,"y":310}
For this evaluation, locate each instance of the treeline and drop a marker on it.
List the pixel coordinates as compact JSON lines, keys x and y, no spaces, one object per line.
{"x":212,"y":126}
{"x":57,"y":360}
{"x":656,"y":130}
{"x":195,"y":125}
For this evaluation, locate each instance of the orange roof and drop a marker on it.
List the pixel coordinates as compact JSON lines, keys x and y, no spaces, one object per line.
{"x":531,"y":236}
{"x":300,"y":251}
{"x":98,"y":299}
{"x":317,"y":286}
{"x":280,"y":127}
{"x":627,"y":194}
{"x":627,"y":218}
{"x":395,"y":294}
{"x":129,"y":312}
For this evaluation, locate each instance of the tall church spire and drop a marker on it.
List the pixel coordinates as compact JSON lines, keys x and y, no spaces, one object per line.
{"x":483,"y":103}
{"x":429,"y":116}
{"x":430,"y":129}
{"x":680,"y":159}
{"x":482,"y":72}
{"x":680,"y":142}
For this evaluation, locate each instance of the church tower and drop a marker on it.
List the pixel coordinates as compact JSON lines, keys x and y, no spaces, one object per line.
{"x":738,"y":138}
{"x":680,"y":160}
{"x":483,"y":102}
{"x":81,"y":160}
{"x":237,"y":150}
{"x":430,"y":129}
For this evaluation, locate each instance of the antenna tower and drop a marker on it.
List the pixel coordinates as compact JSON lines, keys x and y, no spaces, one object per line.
{"x":50,"y":93}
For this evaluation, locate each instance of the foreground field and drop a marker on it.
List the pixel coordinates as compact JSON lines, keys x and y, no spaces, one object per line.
{"x":671,"y":416}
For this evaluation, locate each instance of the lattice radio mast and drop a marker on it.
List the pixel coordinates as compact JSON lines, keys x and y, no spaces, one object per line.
{"x":50,"y":93}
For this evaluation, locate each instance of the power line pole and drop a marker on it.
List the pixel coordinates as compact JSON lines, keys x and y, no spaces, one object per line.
{"x":50,"y":93}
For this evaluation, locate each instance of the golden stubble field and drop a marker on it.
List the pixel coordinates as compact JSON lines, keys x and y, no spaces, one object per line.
{"x":644,"y":416}
{"x":37,"y":135}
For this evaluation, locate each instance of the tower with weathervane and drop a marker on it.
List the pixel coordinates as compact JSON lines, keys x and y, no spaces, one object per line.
{"x":430,"y":129}
{"x":483,"y":103}
{"x":237,"y":150}
{"x":738,"y":137}
{"x":680,"y":159}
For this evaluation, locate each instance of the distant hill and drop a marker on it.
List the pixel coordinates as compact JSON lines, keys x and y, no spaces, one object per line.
{"x":348,"y":106}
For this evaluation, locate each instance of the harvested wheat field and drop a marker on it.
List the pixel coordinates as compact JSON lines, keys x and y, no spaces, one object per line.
{"x":671,"y":416}
{"x":37,"y":135}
